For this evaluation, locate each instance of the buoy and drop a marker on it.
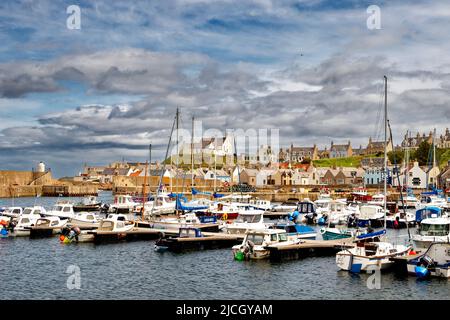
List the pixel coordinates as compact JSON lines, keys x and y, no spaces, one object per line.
{"x":4,"y":232}
{"x":321,"y":221}
{"x":61,"y":238}
{"x":66,"y":240}
{"x":239,"y":256}
{"x":412,"y":252}
{"x":421,"y":272}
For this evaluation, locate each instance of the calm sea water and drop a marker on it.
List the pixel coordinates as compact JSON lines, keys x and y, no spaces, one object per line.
{"x":36,"y":269}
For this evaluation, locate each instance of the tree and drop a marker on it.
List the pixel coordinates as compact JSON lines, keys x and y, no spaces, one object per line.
{"x":422,"y":153}
{"x":396,"y":157}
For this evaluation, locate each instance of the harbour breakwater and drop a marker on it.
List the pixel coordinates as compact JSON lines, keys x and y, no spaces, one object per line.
{"x":32,"y":184}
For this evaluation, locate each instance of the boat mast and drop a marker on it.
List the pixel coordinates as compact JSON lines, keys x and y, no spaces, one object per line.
{"x":164,"y":167}
{"x":192,"y":155}
{"x":176,"y":159}
{"x":385,"y":149}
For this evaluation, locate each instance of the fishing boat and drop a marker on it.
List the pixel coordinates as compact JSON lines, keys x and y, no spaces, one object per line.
{"x":89,"y":203}
{"x":47,"y":226}
{"x":190,"y":238}
{"x":84,"y":220}
{"x":248,"y":220}
{"x":432,"y":230}
{"x":434,"y":262}
{"x":62,"y":209}
{"x":255,"y":242}
{"x":370,"y":253}
{"x":306,"y":212}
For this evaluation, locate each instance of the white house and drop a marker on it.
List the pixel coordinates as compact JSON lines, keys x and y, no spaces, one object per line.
{"x":301,"y":178}
{"x":262,"y":177}
{"x":416,"y":177}
{"x":432,"y":175}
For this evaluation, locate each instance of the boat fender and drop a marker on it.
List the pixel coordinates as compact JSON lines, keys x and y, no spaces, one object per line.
{"x":161,"y":235}
{"x":225,"y":216}
{"x":421,"y":272}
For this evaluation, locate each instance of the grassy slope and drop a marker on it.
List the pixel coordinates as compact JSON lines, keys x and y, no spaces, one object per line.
{"x":339,"y":162}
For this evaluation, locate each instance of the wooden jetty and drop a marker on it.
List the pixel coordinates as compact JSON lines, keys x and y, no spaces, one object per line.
{"x":193,"y":239}
{"x":137,"y":233}
{"x":308,"y":248}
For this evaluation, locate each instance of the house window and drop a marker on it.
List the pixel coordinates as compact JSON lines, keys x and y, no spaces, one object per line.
{"x":416,"y":181}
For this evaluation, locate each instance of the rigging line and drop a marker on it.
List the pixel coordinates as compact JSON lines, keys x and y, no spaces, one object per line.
{"x":398,"y":181}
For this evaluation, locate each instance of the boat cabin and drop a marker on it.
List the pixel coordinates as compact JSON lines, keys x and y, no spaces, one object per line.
{"x":48,"y":222}
{"x":190,"y":233}
{"x":34,"y":210}
{"x":435,"y":227}
{"x":306,"y":207}
{"x":428,"y":213}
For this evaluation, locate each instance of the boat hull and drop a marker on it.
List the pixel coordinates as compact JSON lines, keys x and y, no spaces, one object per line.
{"x":328,"y":235}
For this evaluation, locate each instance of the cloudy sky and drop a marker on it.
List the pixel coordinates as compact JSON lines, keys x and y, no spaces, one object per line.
{"x":310,"y":68}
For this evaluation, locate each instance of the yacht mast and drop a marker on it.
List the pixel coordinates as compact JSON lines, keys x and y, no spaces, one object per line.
{"x":385,"y":149}
{"x":192,"y":155}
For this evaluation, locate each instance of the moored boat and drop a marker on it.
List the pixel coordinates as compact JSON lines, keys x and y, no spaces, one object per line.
{"x":255,"y":242}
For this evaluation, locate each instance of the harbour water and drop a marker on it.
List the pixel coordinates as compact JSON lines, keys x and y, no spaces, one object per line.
{"x":36,"y":269}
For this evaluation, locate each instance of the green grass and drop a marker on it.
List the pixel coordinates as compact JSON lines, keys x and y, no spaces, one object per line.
{"x":444,"y":158}
{"x":339,"y":162}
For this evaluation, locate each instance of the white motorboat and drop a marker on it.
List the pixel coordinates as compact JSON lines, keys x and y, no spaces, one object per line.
{"x":432,"y":230}
{"x":35,"y":210}
{"x":84,"y":220}
{"x":248,"y":220}
{"x":62,"y":209}
{"x":433,"y":262}
{"x":116,"y":223}
{"x":163,"y":205}
{"x":21,"y":225}
{"x":260,"y":204}
{"x":185,"y":220}
{"x":13,"y":212}
{"x":47,"y":226}
{"x":370,"y":255}
{"x":88,"y":203}
{"x":371,"y":215}
{"x":254,"y":245}
{"x":377,"y":200}
{"x":338,"y":212}
{"x":400,"y":220}
{"x":286,"y":206}
{"x":123,"y":203}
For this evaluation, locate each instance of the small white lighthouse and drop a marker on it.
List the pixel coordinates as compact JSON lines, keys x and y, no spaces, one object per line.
{"x":41,"y":167}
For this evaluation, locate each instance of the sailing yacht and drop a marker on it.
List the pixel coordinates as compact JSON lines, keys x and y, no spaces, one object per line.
{"x":370,"y":252}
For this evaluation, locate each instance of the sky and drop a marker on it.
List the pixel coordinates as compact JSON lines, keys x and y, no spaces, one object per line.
{"x":310,"y":68}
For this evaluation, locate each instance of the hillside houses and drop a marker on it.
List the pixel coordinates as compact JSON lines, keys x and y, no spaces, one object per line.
{"x":341,"y":150}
